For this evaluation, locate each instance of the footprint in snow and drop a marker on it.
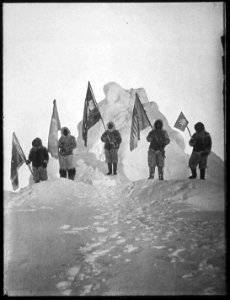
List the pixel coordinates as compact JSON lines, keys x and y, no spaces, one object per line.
{"x":130,"y":248}
{"x":72,"y":272}
{"x":101,"y":229}
{"x":65,"y":226}
{"x":63,"y":285}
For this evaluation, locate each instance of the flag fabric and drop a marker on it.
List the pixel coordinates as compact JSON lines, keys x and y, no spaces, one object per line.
{"x":181,"y":122}
{"x":91,"y":114}
{"x":17,"y":159}
{"x":55,"y":125}
{"x":139,"y":122}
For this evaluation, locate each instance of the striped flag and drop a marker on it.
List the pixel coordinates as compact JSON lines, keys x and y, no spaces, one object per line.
{"x":139,"y":122}
{"x":181,"y":122}
{"x":17,"y":159}
{"x":53,"y":133}
{"x":91,"y":114}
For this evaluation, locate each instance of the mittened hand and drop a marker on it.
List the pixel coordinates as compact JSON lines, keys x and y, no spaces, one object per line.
{"x":44,"y":164}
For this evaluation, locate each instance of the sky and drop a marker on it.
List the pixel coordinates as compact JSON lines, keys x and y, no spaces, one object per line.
{"x":52,"y":50}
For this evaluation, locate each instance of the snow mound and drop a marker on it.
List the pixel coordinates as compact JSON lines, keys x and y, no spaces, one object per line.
{"x":199,"y":194}
{"x":118,"y":106}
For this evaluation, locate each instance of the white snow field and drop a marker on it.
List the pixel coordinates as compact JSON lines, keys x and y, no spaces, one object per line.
{"x":123,"y":234}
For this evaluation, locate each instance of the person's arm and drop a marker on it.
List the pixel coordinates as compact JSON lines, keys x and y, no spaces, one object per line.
{"x":166,"y":139}
{"x":208,"y":145}
{"x":104,"y":137}
{"x":30,"y":157}
{"x":192,"y":141}
{"x":149,"y":137}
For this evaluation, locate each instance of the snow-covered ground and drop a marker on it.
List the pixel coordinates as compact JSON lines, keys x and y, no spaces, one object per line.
{"x":66,"y":237}
{"x":118,"y":235}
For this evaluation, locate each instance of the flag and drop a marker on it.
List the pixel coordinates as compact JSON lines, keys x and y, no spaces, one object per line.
{"x":53,"y":133}
{"x":139,"y":122}
{"x":181,"y":122}
{"x":17,"y":159}
{"x":91,"y":114}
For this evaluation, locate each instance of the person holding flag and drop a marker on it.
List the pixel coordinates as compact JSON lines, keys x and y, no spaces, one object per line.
{"x":202,"y":143}
{"x":39,"y":157}
{"x":158,"y":139}
{"x":112,"y":139}
{"x":66,"y":144}
{"x":17,"y":159}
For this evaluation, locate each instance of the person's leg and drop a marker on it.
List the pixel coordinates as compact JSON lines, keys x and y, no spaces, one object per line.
{"x":43,"y":173}
{"x":151,"y":163}
{"x":115,"y":168}
{"x":160,"y":165}
{"x":70,"y":166}
{"x":62,"y":166}
{"x":36,"y":176}
{"x":109,"y":161}
{"x":203,"y":166}
{"x":193,"y":162}
{"x":71,"y":173}
{"x":114,"y":155}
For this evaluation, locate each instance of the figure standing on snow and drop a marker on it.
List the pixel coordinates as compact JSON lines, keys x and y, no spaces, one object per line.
{"x":112,"y":139}
{"x":158,"y":139}
{"x":202,"y":143}
{"x":39,"y":157}
{"x":66,"y":144}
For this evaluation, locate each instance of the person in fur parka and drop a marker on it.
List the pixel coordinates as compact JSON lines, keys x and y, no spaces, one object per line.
{"x":66,"y":144}
{"x":39,"y":157}
{"x":202,"y":143}
{"x":158,"y":139}
{"x":112,"y":139}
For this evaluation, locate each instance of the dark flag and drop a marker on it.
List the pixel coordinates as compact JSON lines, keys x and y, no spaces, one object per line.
{"x":91,"y":113}
{"x":181,"y":122}
{"x":139,"y":122}
{"x":55,"y":125}
{"x":17,"y":159}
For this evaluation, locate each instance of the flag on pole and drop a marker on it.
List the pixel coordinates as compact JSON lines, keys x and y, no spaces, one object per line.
{"x":91,"y":114}
{"x":139,"y":122}
{"x":17,"y":159}
{"x":55,"y":125}
{"x":181,"y":122}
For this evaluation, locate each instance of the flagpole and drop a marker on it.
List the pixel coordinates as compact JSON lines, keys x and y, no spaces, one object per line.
{"x":23,"y":154}
{"x":189,"y":131}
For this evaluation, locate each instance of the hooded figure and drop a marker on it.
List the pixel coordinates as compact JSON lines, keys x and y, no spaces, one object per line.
{"x":66,"y":144}
{"x":202,"y":143}
{"x":39,"y":157}
{"x":158,"y":139}
{"x":112,"y":139}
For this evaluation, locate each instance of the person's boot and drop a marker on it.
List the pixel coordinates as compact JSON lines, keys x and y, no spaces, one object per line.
{"x":62,"y":173}
{"x":110,"y":169}
{"x":202,"y":173}
{"x":151,"y":173}
{"x":193,"y":176}
{"x":160,"y":173}
{"x":71,"y":173}
{"x":114,"y":168}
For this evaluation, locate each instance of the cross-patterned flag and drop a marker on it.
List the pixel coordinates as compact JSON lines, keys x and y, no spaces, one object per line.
{"x":17,"y":159}
{"x":91,"y":114}
{"x":181,"y":122}
{"x":139,"y":122}
{"x":55,"y":125}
